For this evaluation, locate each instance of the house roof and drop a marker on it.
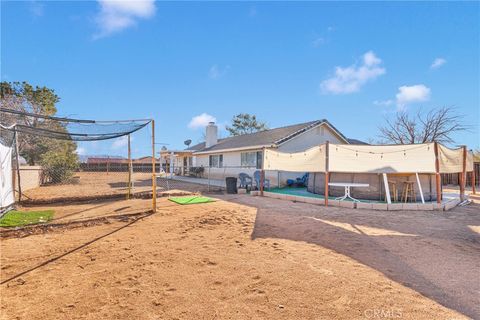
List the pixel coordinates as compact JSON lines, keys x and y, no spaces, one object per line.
{"x":265,"y":138}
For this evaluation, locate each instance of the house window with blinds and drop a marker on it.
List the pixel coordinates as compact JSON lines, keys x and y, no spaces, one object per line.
{"x":251,"y":159}
{"x":215,"y":161}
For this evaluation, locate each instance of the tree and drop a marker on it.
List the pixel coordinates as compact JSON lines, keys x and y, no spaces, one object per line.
{"x":52,"y":154}
{"x":244,"y":123}
{"x":23,"y":97}
{"x":437,"y":125}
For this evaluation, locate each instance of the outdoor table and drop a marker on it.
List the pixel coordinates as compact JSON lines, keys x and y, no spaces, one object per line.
{"x":347,"y":186}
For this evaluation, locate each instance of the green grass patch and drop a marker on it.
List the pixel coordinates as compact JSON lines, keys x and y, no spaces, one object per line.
{"x":16,"y":218}
{"x":191,"y":200}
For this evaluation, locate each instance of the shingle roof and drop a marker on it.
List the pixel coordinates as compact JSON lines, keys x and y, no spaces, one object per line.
{"x":264,"y":138}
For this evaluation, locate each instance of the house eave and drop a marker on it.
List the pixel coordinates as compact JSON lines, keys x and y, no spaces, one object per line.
{"x":256,"y":147}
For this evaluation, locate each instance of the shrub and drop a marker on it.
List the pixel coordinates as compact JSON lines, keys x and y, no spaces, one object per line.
{"x":59,"y":165}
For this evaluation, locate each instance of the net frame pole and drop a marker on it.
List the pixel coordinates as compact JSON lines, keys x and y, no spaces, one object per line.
{"x":463,"y":180}
{"x":18,"y":165}
{"x":437,"y":174}
{"x":129,"y":193}
{"x":154,"y":177}
{"x":327,"y":174}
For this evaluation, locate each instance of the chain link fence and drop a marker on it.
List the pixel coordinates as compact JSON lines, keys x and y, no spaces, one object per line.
{"x":213,"y":179}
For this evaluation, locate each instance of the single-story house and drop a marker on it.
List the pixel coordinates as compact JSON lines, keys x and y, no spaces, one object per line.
{"x":232,"y":155}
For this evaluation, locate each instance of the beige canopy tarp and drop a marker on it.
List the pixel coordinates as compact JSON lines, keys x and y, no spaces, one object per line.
{"x":415,"y":158}
{"x":310,"y":160}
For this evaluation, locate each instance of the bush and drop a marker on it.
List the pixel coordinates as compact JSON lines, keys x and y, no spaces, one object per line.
{"x":59,"y":165}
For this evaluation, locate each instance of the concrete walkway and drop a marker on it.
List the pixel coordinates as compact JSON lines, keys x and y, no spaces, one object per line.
{"x":202,"y":181}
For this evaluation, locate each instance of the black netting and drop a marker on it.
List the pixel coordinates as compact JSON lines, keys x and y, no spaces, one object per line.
{"x":66,"y":128}
{"x":7,"y":136}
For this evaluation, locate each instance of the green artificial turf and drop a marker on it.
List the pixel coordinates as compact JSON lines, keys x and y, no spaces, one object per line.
{"x":21,"y":218}
{"x":191,"y":200}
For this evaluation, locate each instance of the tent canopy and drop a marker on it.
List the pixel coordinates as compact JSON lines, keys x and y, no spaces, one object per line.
{"x":414,"y":158}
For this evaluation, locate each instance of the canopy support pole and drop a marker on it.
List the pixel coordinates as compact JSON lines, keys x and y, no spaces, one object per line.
{"x":262,"y":174}
{"x":129,"y":193}
{"x":437,"y":174}
{"x":154,"y":174}
{"x":420,"y":187}
{"x":327,"y":175}
{"x":387,"y":188}
{"x":463,"y":180}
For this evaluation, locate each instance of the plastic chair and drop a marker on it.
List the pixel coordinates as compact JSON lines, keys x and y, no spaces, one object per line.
{"x":245,"y":181}
{"x":303,"y":181}
{"x":257,"y":176}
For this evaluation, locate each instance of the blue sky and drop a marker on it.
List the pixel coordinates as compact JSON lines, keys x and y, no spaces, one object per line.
{"x":185,"y":63}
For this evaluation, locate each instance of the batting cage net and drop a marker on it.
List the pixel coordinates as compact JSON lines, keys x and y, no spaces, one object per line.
{"x":65,"y":159}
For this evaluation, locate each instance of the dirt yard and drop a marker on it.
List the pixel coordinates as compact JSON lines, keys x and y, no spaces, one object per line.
{"x":103,"y":185}
{"x":244,"y":257}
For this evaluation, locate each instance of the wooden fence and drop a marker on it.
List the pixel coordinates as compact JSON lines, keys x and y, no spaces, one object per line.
{"x":453,"y":178}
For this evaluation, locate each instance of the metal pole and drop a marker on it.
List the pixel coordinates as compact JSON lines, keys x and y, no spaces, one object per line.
{"x":208,"y":177}
{"x":129,"y":193}
{"x":327,"y":175}
{"x":437,"y":174}
{"x":154,"y":175}
{"x":18,"y":165}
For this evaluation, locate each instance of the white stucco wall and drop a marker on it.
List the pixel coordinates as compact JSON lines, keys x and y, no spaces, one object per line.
{"x":308,"y":139}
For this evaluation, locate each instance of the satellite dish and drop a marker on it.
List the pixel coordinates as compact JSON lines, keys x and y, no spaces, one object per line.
{"x":164,"y":148}
{"x":187,"y":142}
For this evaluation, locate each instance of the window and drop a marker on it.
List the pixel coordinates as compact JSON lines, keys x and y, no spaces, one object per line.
{"x":248,"y":159}
{"x":215,"y":161}
{"x":251,"y":159}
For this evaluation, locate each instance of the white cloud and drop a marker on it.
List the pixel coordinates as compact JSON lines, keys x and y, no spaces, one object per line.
{"x":81,"y":151}
{"x":121,"y":142}
{"x":410,"y":94}
{"x":217,"y":72}
{"x":383,"y":103}
{"x":201,"y":121}
{"x":352,"y":78}
{"x":116,"y":15}
{"x":437,"y":63}
{"x":317,"y":42}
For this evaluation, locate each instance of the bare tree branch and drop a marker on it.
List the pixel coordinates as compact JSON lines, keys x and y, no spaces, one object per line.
{"x":437,"y":125}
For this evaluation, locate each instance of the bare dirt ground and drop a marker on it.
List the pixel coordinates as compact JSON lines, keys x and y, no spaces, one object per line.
{"x":246,"y":257}
{"x":102,"y":185}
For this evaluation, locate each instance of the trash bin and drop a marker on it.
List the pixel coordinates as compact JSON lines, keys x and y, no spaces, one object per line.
{"x":231,"y":183}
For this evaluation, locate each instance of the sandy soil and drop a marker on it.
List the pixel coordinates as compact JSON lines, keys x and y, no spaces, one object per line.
{"x":247,"y":257}
{"x":100,"y":185}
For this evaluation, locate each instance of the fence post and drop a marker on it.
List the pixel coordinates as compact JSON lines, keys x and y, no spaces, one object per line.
{"x":473,"y":179}
{"x":437,"y":173}
{"x":327,"y":175}
{"x":154,"y":174}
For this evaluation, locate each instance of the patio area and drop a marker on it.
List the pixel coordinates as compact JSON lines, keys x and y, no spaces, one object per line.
{"x":300,"y":194}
